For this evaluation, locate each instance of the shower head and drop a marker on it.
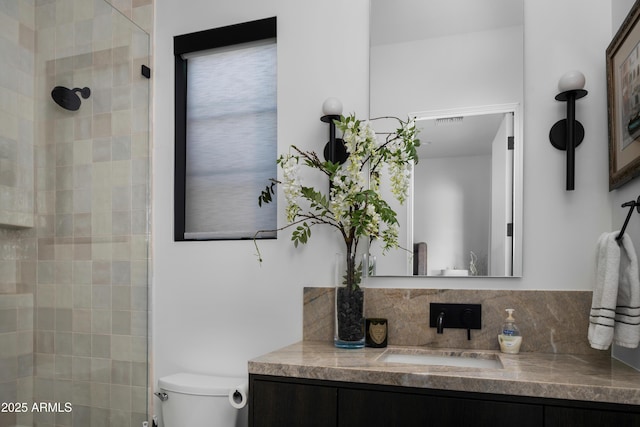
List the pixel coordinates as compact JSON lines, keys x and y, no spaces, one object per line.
{"x":68,"y":98}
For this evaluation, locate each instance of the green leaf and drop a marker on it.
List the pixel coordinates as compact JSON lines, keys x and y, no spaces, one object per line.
{"x":318,"y":201}
{"x":301,"y":234}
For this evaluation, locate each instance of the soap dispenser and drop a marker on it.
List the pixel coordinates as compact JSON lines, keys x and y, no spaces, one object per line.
{"x":509,"y":336}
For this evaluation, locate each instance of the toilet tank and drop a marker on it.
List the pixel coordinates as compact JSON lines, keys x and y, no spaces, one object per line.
{"x":195,"y":400}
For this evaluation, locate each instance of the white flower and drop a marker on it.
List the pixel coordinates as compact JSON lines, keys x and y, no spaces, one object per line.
{"x":354,"y":204}
{"x":390,"y":238}
{"x":291,"y":185}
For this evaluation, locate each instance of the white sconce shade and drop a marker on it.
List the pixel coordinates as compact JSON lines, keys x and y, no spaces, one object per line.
{"x":572,"y":80}
{"x":332,"y":107}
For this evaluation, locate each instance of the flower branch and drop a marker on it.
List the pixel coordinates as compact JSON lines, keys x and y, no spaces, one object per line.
{"x":353,"y":204}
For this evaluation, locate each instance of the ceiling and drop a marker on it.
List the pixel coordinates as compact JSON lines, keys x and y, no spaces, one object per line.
{"x":395,"y":21}
{"x":451,"y":138}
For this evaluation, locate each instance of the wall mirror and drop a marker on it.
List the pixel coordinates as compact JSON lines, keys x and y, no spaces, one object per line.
{"x":457,"y":67}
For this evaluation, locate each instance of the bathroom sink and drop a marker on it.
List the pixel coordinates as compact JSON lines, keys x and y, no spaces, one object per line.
{"x":459,"y":359}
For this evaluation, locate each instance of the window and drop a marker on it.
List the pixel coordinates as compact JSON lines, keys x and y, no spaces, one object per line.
{"x":226,"y":131}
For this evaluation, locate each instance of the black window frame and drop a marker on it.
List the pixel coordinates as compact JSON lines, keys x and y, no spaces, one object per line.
{"x":236,"y":34}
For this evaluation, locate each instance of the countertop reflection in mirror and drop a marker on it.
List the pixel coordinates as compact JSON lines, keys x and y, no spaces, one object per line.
{"x":457,"y":66}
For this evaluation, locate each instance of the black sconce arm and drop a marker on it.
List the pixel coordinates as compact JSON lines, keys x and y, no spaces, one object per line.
{"x":568,"y":133}
{"x":334,"y":150}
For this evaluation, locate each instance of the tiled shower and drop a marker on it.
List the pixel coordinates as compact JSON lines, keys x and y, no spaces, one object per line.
{"x":74,"y":213}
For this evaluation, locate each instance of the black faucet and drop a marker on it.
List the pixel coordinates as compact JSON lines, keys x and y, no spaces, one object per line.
{"x":459,"y":316}
{"x":440,"y":323}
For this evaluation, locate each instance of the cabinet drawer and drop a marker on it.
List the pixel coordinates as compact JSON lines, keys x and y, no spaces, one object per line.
{"x":380,"y":408}
{"x":286,"y":404}
{"x":581,"y":417}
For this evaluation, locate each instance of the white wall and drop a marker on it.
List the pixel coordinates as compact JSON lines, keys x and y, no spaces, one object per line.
{"x":214,"y":307}
{"x":453,"y":208}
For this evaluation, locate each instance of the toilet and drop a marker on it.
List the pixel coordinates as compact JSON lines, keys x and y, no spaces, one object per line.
{"x":193,"y":400}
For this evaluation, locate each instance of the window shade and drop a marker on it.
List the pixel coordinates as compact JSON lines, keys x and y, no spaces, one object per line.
{"x":231,"y":141}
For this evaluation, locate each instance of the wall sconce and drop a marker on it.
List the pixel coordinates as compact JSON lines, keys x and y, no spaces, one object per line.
{"x":334,"y":150}
{"x":568,"y":133}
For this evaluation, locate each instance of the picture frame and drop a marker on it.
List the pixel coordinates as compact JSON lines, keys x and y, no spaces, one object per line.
{"x":623,"y":100}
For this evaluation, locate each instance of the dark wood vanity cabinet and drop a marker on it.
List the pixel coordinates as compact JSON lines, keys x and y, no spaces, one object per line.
{"x":291,"y":403}
{"x":282,"y":402}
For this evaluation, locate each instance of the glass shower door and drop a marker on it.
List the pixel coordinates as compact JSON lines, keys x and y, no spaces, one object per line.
{"x":92,"y":214}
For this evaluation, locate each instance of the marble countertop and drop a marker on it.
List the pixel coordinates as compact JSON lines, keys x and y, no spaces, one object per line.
{"x":564,"y":376}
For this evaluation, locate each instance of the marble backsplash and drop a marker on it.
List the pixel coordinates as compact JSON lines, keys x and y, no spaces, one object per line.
{"x":550,"y":321}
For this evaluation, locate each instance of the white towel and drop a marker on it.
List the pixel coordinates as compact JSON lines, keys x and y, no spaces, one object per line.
{"x":626,"y":332}
{"x":615,"y":307}
{"x":605,"y":294}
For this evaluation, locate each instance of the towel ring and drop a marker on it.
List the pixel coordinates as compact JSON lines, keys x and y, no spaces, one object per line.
{"x":631,"y":204}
